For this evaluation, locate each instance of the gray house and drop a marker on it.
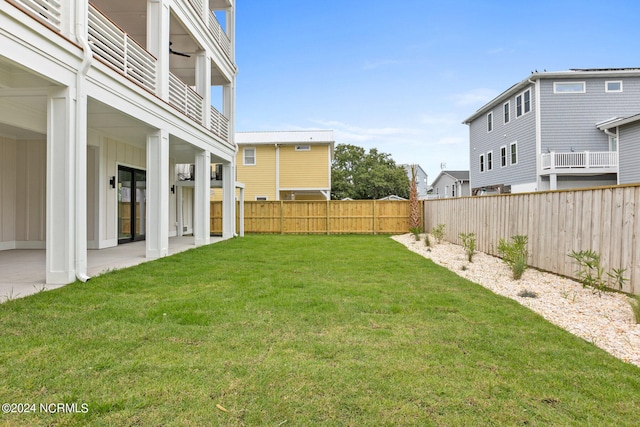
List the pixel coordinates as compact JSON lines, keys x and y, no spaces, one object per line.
{"x":450,"y":184}
{"x":421,"y":179}
{"x":557,"y":130}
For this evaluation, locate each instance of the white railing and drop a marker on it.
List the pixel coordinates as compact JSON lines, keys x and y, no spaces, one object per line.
{"x":219,"y":35}
{"x":120,"y":51}
{"x":197,"y":5}
{"x":48,"y":11}
{"x":219,"y":124}
{"x":580,"y":159}
{"x":185,"y":99}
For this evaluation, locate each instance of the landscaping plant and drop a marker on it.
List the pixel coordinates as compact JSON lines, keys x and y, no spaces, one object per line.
{"x":427,"y":242}
{"x":469,"y":244}
{"x":514,"y":253}
{"x":416,"y":232}
{"x":591,"y":274}
{"x":634,"y":300}
{"x":438,"y":233}
{"x":414,"y":203}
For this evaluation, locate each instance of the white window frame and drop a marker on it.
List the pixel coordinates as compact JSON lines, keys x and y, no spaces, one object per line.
{"x":506,"y":112}
{"x":262,"y":198}
{"x":244,"y":156}
{"x":606,"y":86}
{"x":503,"y":156}
{"x":512,"y":151}
{"x":524,"y":107}
{"x":489,"y":160}
{"x":482,"y":164}
{"x":490,"y":122}
{"x":303,"y":148}
{"x":557,"y":85}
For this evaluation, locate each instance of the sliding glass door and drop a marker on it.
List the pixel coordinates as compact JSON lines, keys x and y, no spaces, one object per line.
{"x":132,"y":208}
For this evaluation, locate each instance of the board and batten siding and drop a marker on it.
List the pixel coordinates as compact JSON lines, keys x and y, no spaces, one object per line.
{"x":604,"y":220}
{"x":260,"y":179}
{"x":304,"y":169}
{"x":629,"y":154}
{"x":520,"y":130}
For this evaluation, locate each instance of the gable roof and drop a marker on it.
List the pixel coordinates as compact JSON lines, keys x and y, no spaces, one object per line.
{"x":617,"y":121}
{"x":306,"y":137}
{"x":457,"y":175}
{"x":573,"y":73}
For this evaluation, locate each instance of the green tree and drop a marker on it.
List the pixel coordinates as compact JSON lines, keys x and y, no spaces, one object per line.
{"x":357,"y":174}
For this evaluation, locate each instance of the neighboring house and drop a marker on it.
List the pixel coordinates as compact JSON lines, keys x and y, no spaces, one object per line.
{"x":627,"y":131}
{"x":555,"y":130}
{"x":450,"y":184}
{"x":421,"y":179}
{"x":285,"y":165}
{"x":100,"y":102}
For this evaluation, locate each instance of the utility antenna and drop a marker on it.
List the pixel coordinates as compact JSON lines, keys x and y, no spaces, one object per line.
{"x":443,"y":166}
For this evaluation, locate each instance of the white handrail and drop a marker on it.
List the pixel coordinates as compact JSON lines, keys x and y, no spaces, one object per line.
{"x":579,"y":159}
{"x":48,"y":11}
{"x":185,"y":99}
{"x":219,"y":124}
{"x":219,"y":35}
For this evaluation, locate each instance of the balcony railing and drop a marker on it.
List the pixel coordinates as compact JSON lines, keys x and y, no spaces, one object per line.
{"x":219,"y":124}
{"x":580,"y":160}
{"x":47,"y":11}
{"x":120,"y":51}
{"x":185,"y":99}
{"x":219,"y":35}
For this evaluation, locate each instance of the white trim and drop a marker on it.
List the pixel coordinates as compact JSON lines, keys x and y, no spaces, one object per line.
{"x":523,"y":111}
{"x":261,"y":198}
{"x":490,"y":121}
{"x":508,"y":105}
{"x":277,"y":172}
{"x":506,"y":162}
{"x":482,"y":165}
{"x":606,"y":86}
{"x":244,"y":158}
{"x":511,"y":162}
{"x":489,"y":160}
{"x":568,"y":85}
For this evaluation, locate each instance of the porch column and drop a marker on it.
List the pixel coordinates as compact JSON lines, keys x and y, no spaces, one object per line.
{"x":553,"y":181}
{"x":228,"y":200}
{"x":61,"y":196}
{"x":203,"y":85}
{"x":202,"y":200}
{"x":157,"y":205}
{"x":158,"y":42}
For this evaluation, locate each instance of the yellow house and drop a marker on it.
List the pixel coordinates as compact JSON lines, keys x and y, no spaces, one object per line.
{"x":285,"y":165}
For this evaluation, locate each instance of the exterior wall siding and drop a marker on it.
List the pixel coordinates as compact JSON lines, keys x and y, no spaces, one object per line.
{"x":520,"y":130}
{"x":304,"y":169}
{"x":8,"y":177}
{"x":442,"y":187}
{"x":31,"y":194}
{"x":260,"y":179}
{"x":629,"y":151}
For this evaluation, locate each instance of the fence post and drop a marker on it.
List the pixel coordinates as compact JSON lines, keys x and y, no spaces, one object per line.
{"x":281,"y":217}
{"x":328,"y":219}
{"x":374,"y":218}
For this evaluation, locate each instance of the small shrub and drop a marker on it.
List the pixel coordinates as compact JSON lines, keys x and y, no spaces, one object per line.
{"x":527,"y":294}
{"x":438,"y":233}
{"x":416,"y":232}
{"x":464,"y":267}
{"x":427,"y":242}
{"x":514,"y":253}
{"x":592,"y":275}
{"x":634,"y":300}
{"x":469,"y":244}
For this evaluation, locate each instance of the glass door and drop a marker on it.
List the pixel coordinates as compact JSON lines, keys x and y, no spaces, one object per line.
{"x":132,"y":207}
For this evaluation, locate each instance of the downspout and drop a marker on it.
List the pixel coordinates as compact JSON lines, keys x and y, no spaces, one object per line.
{"x":538,"y":133}
{"x":81,"y":141}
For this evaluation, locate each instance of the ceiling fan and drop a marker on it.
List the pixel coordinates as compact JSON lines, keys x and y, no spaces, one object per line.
{"x":173,"y":52}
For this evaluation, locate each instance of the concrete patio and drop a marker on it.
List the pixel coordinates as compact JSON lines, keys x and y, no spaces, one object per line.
{"x":23,"y":271}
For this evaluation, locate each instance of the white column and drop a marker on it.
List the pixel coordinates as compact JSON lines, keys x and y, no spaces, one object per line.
{"x":61,"y":197}
{"x":158,"y":42}
{"x":231,"y":30}
{"x":202,"y":200}
{"x":228,"y":200}
{"x":553,"y":181}
{"x":203,"y":85}
{"x":157,"y":205}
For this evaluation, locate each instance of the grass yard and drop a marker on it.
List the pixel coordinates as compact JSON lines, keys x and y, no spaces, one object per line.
{"x":300,"y":331}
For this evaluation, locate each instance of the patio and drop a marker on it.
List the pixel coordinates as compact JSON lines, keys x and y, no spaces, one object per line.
{"x":23,"y":271}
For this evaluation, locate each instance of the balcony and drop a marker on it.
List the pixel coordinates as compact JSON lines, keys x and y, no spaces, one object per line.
{"x":47,"y":11}
{"x":580,"y":163}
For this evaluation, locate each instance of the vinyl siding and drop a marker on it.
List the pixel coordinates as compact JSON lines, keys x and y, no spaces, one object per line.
{"x":629,"y":146}
{"x":304,"y":169}
{"x":518,"y":129}
{"x":569,"y":120}
{"x":8,"y":177}
{"x":260,"y":179}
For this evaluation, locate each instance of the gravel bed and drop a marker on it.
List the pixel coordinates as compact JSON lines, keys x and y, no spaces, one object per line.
{"x":605,"y":320}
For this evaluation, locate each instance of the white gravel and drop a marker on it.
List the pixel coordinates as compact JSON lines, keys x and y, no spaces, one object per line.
{"x":605,"y":320}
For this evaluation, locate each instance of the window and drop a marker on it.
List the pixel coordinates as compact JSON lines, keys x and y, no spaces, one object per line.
{"x":261,"y":198}
{"x":249,"y":157}
{"x":489,"y":122}
{"x":453,"y":190}
{"x":514,"y":153}
{"x":490,"y":160}
{"x":613,"y":86}
{"x":503,"y":156}
{"x":523,"y":103}
{"x":303,"y":148}
{"x":481,"y":162}
{"x":507,"y":112}
{"x":569,"y":87}
{"x":613,"y":143}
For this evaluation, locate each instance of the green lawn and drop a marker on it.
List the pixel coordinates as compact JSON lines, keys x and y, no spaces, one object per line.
{"x":301,"y":331}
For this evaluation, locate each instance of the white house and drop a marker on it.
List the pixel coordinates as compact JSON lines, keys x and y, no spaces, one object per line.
{"x":450,"y":184}
{"x":421,"y":179}
{"x":99,"y":103}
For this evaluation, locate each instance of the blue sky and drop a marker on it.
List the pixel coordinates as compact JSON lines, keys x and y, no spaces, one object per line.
{"x":402,"y":76}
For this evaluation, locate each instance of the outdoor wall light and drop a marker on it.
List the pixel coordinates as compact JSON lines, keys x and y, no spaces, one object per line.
{"x":173,"y":189}
{"x":112,"y":182}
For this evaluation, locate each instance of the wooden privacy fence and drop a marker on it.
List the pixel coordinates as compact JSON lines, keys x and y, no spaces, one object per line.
{"x":605,"y":220}
{"x":320,"y":217}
